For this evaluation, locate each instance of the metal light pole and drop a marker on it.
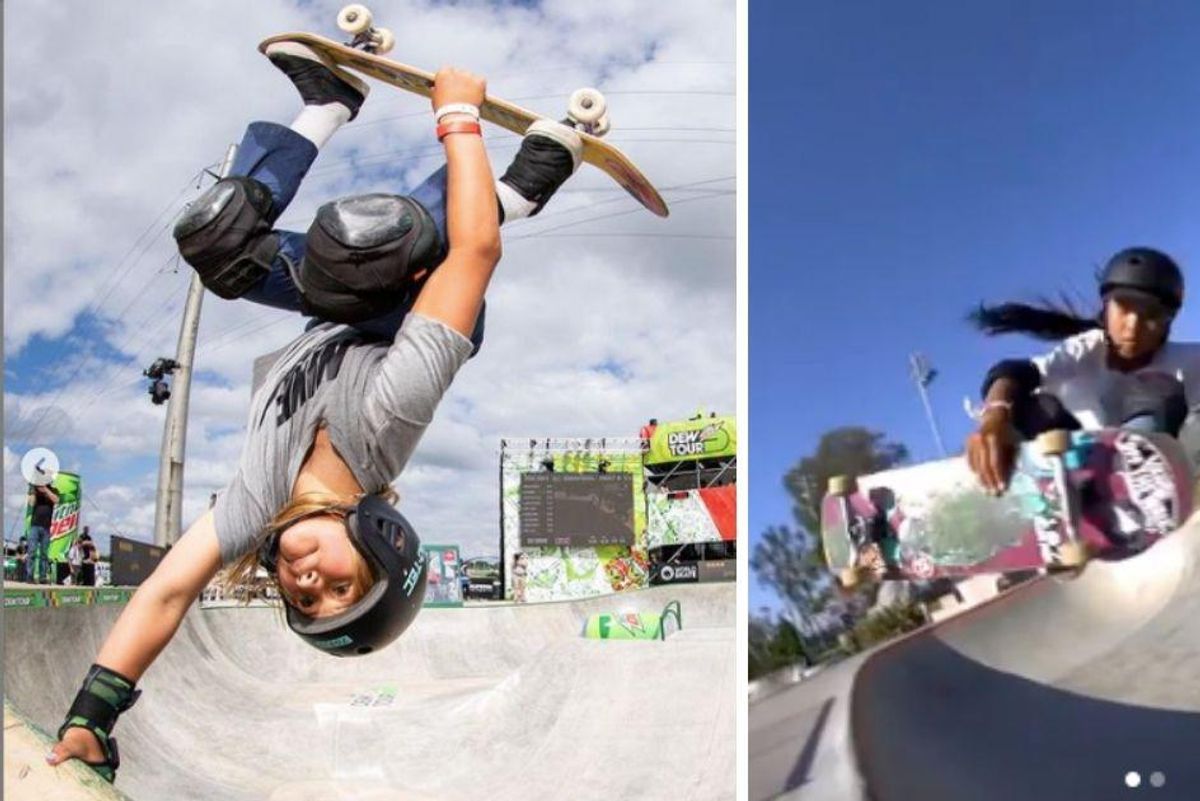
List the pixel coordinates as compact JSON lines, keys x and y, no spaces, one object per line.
{"x":168,"y":506}
{"x":923,"y":374}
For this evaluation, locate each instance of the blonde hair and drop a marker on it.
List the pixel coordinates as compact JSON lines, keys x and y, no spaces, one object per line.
{"x":246,"y":577}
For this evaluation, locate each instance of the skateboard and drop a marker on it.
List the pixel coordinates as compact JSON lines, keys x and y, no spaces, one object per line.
{"x":586,"y":109}
{"x":1073,"y":496}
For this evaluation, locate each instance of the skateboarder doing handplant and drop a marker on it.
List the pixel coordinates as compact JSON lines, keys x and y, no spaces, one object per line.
{"x":396,"y":287}
{"x":1115,"y":369}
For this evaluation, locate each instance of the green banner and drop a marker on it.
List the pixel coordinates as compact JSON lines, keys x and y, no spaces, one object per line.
{"x":25,"y":599}
{"x":64,"y":526}
{"x":688,"y":440}
{"x":634,"y":625}
{"x":624,"y":626}
{"x":15,"y":598}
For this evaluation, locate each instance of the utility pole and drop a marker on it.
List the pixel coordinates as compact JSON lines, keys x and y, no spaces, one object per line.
{"x":923,"y":374}
{"x":168,"y":506}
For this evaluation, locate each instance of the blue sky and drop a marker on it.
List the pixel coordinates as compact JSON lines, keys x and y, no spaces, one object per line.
{"x":910,"y":160}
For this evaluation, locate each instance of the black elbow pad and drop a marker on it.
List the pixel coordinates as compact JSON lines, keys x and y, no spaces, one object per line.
{"x":1023,"y":372}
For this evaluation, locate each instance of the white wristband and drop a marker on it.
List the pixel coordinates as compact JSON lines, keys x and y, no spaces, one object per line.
{"x":455,"y":108}
{"x":996,"y":404}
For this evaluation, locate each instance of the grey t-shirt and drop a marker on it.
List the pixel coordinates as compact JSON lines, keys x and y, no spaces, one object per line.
{"x":375,"y":398}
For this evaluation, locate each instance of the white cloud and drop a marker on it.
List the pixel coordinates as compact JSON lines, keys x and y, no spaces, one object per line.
{"x":102,"y":141}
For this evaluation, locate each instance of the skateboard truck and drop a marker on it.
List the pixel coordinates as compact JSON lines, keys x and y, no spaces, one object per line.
{"x":841,"y":487}
{"x":1055,"y":446}
{"x":356,"y":19}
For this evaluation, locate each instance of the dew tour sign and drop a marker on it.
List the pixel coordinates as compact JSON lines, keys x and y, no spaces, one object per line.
{"x":701,"y":437}
{"x":64,"y":525}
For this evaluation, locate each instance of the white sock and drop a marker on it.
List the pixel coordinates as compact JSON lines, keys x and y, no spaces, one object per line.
{"x":318,"y":123}
{"x":515,"y":207}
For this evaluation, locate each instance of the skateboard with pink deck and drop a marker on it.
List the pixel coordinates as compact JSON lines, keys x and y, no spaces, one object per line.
{"x":1073,"y":496}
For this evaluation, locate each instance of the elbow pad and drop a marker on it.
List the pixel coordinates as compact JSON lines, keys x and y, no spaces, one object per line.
{"x":1023,"y":372}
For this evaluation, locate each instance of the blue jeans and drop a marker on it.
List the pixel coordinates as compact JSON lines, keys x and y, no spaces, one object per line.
{"x":37,"y":558}
{"x":279,"y":158}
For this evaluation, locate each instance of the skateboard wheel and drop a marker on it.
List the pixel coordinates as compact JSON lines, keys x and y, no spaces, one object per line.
{"x":385,"y":40}
{"x":354,"y":18}
{"x":586,"y":106}
{"x":848,"y":578}
{"x":1073,"y":554}
{"x":600,"y":127}
{"x":1053,"y":443}
{"x":841,"y":485}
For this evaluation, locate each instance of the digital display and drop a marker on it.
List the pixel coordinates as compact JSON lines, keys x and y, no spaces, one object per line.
{"x":577,"y":510}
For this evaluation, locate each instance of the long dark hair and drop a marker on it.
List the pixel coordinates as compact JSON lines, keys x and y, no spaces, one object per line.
{"x":1049,"y":319}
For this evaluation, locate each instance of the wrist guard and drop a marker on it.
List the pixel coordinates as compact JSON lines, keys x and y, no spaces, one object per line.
{"x":104,"y":695}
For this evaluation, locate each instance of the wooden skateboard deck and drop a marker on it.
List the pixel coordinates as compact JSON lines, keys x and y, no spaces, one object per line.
{"x":1124,"y":491}
{"x":507,"y":115}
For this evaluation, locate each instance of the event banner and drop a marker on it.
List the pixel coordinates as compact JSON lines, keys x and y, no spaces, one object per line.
{"x":442,"y":586}
{"x":688,"y":440}
{"x":64,"y":526}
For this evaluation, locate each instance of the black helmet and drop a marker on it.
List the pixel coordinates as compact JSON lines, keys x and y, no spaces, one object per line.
{"x":391,"y":547}
{"x":1144,"y":271}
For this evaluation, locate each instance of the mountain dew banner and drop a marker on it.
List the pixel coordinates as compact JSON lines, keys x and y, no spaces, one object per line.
{"x":64,"y":525}
{"x":623,"y":626}
{"x":535,"y":574}
{"x":634,"y":625}
{"x":688,"y":440}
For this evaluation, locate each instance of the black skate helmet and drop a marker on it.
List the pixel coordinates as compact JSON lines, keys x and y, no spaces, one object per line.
{"x":1145,"y":272}
{"x":391,"y":547}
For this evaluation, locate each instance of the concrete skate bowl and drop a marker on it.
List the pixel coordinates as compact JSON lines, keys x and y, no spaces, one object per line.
{"x":507,"y":702}
{"x":1057,"y":689}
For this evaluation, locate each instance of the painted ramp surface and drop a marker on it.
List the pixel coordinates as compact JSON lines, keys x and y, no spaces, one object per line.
{"x":507,"y":702}
{"x":1058,"y":689}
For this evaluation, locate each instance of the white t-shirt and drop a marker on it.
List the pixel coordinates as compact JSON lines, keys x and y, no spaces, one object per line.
{"x":1077,"y":372}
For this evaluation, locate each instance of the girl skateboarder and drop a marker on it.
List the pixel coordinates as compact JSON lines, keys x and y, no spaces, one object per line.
{"x":1115,"y":369}
{"x":340,"y":409}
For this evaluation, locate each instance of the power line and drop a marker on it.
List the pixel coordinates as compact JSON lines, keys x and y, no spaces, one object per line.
{"x":94,"y":308}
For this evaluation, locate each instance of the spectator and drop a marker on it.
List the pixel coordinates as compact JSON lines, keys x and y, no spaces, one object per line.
{"x":91,"y":555}
{"x":75,"y":562}
{"x":520,"y":571}
{"x":41,"y":500}
{"x":22,"y":557}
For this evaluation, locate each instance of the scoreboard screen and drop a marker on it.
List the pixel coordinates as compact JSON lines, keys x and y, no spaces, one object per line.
{"x":577,"y":510}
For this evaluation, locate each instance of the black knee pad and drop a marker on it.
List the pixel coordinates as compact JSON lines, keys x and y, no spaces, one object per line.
{"x":225,"y":235}
{"x":362,"y":254}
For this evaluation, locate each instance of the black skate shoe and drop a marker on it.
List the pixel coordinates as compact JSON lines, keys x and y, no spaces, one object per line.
{"x":550,"y":153}
{"x":318,"y":81}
